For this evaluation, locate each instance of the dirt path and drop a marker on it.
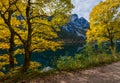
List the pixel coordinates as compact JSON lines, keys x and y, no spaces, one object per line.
{"x":105,"y":74}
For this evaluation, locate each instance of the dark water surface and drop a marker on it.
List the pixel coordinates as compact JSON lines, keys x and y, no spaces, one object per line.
{"x":49,"y":58}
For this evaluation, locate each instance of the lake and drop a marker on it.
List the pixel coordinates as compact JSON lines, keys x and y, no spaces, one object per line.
{"x":48,"y":58}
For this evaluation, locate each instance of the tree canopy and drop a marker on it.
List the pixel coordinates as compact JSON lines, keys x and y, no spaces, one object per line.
{"x":104,"y":23}
{"x":29,"y":26}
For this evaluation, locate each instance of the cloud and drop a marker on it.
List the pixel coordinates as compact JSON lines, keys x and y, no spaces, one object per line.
{"x":84,"y":7}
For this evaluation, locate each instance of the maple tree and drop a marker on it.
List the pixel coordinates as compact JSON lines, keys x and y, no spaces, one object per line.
{"x":31,"y":24}
{"x":104,"y":23}
{"x":37,"y":32}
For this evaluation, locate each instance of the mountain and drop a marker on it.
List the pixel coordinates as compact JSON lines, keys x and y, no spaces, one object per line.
{"x":75,"y":28}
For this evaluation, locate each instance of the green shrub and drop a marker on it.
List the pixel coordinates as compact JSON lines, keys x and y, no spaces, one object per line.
{"x":80,"y":61}
{"x":70,"y":63}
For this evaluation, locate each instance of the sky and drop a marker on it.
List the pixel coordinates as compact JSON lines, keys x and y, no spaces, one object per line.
{"x":84,"y":7}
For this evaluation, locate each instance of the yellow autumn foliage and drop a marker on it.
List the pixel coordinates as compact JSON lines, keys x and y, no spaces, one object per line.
{"x":3,"y":61}
{"x":29,"y":25}
{"x":2,"y":74}
{"x":34,"y":65}
{"x":104,"y":22}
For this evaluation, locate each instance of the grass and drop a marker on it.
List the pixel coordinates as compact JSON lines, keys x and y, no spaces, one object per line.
{"x":79,"y":61}
{"x":17,"y":75}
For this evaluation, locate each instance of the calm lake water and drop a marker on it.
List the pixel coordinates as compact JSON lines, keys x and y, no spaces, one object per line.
{"x":48,"y":58}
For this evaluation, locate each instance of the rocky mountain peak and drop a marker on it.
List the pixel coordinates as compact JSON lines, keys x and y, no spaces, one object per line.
{"x":77,"y":26}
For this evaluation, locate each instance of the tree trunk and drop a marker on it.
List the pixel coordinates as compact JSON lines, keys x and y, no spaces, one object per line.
{"x":112,"y":46}
{"x":11,"y":52}
{"x":26,"y":64}
{"x":27,"y":44}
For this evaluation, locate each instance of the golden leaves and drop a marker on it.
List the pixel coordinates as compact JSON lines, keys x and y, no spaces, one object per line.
{"x":4,"y":60}
{"x":30,"y":27}
{"x":103,"y":23}
{"x":2,"y":74}
{"x":4,"y":45}
{"x":34,"y":65}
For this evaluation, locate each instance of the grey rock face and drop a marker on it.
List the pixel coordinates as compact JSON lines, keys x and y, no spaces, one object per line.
{"x":77,"y":26}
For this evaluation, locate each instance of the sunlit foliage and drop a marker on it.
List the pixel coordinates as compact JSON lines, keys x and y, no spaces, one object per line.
{"x":105,"y":23}
{"x":31,"y":26}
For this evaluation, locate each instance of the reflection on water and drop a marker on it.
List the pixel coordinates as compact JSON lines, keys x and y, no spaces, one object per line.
{"x":48,"y":58}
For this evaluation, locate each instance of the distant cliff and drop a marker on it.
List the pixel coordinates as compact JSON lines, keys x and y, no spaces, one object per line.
{"x":75,"y":29}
